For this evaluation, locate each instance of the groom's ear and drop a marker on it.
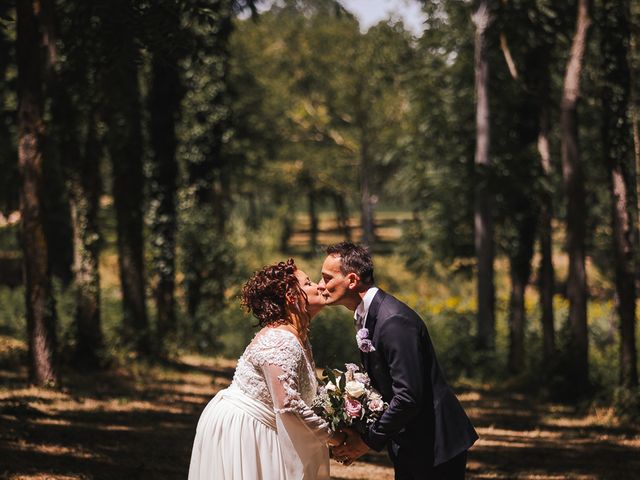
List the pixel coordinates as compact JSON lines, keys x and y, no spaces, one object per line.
{"x":354,"y":280}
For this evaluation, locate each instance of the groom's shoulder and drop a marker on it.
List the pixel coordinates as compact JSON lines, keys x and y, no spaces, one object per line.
{"x":391,"y":306}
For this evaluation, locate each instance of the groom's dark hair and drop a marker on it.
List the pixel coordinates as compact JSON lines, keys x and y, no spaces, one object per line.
{"x":354,"y":258}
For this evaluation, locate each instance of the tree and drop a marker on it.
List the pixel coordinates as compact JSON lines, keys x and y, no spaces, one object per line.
{"x":335,"y":99}
{"x":9,"y":181}
{"x":121,"y":91}
{"x":79,"y":149}
{"x":207,"y":261}
{"x":574,"y":189}
{"x":541,"y":88}
{"x":618,"y":151}
{"x":438,"y":174}
{"x":483,"y":219}
{"x":40,"y":305}
{"x":526,"y":40}
{"x":164,"y":106}
{"x":634,"y":60}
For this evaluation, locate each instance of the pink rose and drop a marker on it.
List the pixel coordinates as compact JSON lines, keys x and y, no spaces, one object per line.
{"x":352,"y":406}
{"x":376,"y":405}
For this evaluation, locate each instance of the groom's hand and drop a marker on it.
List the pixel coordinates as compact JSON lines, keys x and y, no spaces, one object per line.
{"x":352,"y":448}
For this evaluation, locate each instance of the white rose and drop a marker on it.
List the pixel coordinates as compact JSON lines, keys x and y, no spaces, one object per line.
{"x":355,"y":389}
{"x":330,"y":387}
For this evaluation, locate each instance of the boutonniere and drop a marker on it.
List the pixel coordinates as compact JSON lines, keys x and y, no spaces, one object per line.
{"x":364,"y":344}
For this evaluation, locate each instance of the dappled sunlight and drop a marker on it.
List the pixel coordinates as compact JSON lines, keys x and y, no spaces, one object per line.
{"x":75,"y":452}
{"x":141,"y":424}
{"x":469,"y":397}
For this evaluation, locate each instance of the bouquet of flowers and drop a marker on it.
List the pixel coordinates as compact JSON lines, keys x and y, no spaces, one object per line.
{"x":347,"y":399}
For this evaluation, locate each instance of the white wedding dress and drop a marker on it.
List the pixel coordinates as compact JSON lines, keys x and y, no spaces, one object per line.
{"x":261,"y":427}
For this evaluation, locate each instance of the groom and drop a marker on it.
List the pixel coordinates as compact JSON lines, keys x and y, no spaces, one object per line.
{"x":425,"y":429}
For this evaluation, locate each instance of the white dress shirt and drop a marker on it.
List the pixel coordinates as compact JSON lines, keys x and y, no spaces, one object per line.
{"x":362,"y":310}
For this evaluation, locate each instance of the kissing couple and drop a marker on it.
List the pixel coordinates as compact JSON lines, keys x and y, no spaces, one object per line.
{"x":262,"y":427}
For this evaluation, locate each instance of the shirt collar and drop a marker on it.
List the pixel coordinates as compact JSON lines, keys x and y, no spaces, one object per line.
{"x":363,"y":307}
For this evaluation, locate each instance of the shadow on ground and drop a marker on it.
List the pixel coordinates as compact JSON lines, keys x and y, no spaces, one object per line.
{"x":121,"y":425}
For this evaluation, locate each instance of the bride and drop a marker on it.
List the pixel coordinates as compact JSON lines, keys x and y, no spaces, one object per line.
{"x":262,"y":426}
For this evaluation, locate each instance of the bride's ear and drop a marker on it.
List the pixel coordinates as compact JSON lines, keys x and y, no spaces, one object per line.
{"x":291,"y":297}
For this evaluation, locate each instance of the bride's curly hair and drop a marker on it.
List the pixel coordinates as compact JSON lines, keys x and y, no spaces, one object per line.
{"x":264,"y":294}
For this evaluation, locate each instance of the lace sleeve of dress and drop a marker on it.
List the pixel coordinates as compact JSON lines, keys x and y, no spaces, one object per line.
{"x":282,"y":358}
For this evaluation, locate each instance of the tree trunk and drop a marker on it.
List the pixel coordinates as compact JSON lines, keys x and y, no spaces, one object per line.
{"x":483,"y":220}
{"x":56,"y":209}
{"x":635,"y":104}
{"x":124,"y":140}
{"x":366,"y":205}
{"x":40,"y":305}
{"x":520,"y":270}
{"x":342,"y":215}
{"x":516,"y":321}
{"x":619,"y":159}
{"x":574,"y":187}
{"x":82,"y":170}
{"x":546,"y":272}
{"x":165,"y":97}
{"x":287,"y":228}
{"x":313,"y":219}
{"x":85,"y":188}
{"x":253,"y":217}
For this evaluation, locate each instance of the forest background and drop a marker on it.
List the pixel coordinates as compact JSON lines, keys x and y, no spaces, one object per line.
{"x":155,"y":153}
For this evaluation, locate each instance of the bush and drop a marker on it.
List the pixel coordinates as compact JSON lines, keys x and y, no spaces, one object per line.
{"x":13,"y":320}
{"x":333,"y":338}
{"x":626,"y":402}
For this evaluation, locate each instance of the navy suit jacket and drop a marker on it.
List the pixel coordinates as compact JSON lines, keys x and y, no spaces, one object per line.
{"x":425,"y":419}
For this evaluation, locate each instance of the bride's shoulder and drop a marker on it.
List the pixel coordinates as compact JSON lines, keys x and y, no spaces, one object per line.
{"x":277,"y":336}
{"x":273,"y":340}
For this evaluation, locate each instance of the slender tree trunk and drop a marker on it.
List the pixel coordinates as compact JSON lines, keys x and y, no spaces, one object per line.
{"x":574,"y":186}
{"x":313,"y":219}
{"x":520,"y":270}
{"x":616,"y":140}
{"x":516,"y":321}
{"x":342,"y":215}
{"x":366,"y":205}
{"x":285,"y":236}
{"x":56,"y":210}
{"x":40,"y":305}
{"x":85,"y":188}
{"x":165,"y":97}
{"x":77,"y":144}
{"x":124,"y":140}
{"x":253,"y":220}
{"x":635,"y":102}
{"x":286,"y":220}
{"x":483,"y":219}
{"x":82,"y":171}
{"x":546,"y":273}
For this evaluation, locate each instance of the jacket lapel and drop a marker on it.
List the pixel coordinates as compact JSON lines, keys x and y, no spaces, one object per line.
{"x":370,"y":324}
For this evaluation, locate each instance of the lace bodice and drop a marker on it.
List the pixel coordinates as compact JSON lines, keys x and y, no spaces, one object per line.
{"x":276,"y":370}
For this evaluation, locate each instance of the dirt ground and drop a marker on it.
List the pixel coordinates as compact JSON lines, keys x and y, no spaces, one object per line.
{"x":138,"y":423}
